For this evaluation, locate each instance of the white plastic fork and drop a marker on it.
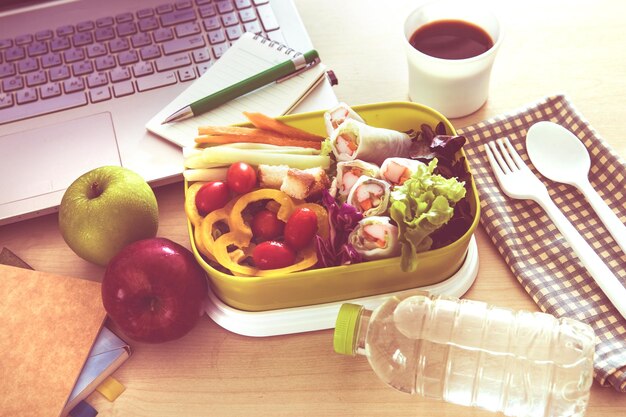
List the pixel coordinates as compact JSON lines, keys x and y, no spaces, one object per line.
{"x":518,"y":181}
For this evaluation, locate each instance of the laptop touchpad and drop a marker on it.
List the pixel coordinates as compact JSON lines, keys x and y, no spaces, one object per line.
{"x":49,"y":159}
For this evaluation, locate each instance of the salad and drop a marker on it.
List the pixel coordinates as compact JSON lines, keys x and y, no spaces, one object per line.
{"x":273,"y":199}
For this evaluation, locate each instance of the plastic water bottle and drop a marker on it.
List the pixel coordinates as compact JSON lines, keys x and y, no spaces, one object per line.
{"x":473,"y":354}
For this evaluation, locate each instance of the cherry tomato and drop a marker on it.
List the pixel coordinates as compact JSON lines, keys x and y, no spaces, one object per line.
{"x":301,"y":228}
{"x":212,"y":196}
{"x":241,"y":177}
{"x":272,"y":255}
{"x":266,"y":226}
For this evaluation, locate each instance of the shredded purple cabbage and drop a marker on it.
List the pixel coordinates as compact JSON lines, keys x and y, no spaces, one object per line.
{"x":342,"y":219}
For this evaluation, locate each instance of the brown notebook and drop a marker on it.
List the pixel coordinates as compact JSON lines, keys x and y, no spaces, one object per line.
{"x":48,"y":324}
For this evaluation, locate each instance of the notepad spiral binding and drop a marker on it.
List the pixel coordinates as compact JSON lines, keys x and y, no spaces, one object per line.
{"x":277,"y":45}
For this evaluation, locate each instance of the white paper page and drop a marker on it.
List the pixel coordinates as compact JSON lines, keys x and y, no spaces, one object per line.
{"x":243,"y":59}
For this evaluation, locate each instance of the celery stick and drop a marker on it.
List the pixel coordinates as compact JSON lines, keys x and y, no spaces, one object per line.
{"x":263,"y":147}
{"x":218,"y":155}
{"x":211,"y":174}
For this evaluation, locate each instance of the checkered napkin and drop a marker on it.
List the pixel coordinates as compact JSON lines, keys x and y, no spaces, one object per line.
{"x":532,"y":246}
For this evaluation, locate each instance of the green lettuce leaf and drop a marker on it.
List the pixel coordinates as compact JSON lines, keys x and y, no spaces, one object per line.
{"x":420,"y":206}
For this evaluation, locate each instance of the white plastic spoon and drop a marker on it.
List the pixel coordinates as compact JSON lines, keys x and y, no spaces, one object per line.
{"x":560,"y":156}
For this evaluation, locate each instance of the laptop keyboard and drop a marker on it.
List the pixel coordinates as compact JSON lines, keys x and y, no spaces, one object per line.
{"x":116,"y":56}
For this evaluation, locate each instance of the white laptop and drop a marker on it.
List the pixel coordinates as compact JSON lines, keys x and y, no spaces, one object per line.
{"x":79,"y":79}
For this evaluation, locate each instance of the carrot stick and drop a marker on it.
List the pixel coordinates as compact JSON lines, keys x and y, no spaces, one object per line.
{"x":230,"y":130}
{"x":264,"y":122}
{"x":272,"y":140}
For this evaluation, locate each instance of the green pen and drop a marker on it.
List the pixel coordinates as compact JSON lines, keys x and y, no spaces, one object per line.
{"x":290,"y":67}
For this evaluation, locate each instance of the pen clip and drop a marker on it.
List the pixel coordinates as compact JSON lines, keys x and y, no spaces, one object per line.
{"x":297,"y":72}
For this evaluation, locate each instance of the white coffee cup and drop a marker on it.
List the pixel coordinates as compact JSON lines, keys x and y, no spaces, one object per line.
{"x":454,"y":87}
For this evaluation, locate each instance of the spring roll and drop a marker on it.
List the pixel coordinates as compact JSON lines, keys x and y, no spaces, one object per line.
{"x":375,"y":237}
{"x":356,"y":140}
{"x":370,"y":196}
{"x":397,"y":170}
{"x":337,"y":115}
{"x":348,"y":172}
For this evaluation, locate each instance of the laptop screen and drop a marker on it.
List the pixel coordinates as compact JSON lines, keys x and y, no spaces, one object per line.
{"x":15,"y":4}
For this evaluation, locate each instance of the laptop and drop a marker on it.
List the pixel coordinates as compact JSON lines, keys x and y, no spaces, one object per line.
{"x":79,"y":79}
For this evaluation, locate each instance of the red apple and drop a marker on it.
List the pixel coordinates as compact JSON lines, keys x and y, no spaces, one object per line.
{"x":154,"y":290}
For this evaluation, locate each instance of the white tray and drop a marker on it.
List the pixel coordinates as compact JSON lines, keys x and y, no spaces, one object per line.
{"x":322,"y":316}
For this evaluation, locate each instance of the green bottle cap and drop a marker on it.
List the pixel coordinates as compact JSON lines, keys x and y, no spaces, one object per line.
{"x":346,"y":328}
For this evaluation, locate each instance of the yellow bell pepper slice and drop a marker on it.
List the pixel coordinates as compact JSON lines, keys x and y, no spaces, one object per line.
{"x":190,"y":203}
{"x":237,"y":222}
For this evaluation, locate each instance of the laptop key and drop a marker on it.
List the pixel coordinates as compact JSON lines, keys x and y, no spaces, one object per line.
{"x":123,"y":89}
{"x":105,"y":62}
{"x":23,"y":39}
{"x":59,"y":44}
{"x":186,"y":74}
{"x":183,"y":44}
{"x":124,"y":17}
{"x":230,"y":19}
{"x":242,"y":4}
{"x":172,"y":61}
{"x":65,"y":30}
{"x":6,"y":100}
{"x":99,"y":94}
{"x":253,"y":27}
{"x":247,"y":15}
{"x":36,"y":78}
{"x":118,"y":45}
{"x":104,"y":33}
{"x":178,"y":17}
{"x":140,"y":39}
{"x":82,"y":68}
{"x":187,"y":29}
{"x":219,"y":50}
{"x":128,"y":57}
{"x":97,"y":79}
{"x":85,"y":26}
{"x":119,"y":74}
{"x":142,"y":69}
{"x":82,"y":39}
{"x":50,"y":90}
{"x":148,"y":24}
{"x":150,"y":52}
{"x":163,"y":34}
{"x":28,"y":65}
{"x":51,"y":60}
{"x":37,"y":48}
{"x":207,"y":10}
{"x":224,"y":6}
{"x":234,"y":32}
{"x":268,"y":19}
{"x":73,"y":84}
{"x":12,"y":84}
{"x":27,"y":95}
{"x":157,"y":80}
{"x":95,"y":50}
{"x":212,"y":23}
{"x":59,"y":73}
{"x":201,"y":55}
{"x":7,"y":69}
{"x":126,"y":29}
{"x":40,"y":107}
{"x":14,"y":53}
{"x":43,"y":35}
{"x":73,"y":55}
{"x":216,"y":36}
{"x":105,"y":22}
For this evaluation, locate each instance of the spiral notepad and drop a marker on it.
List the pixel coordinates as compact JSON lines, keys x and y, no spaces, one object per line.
{"x":248,"y":56}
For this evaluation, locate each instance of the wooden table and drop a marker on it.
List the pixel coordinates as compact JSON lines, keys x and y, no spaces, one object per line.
{"x":574,"y":47}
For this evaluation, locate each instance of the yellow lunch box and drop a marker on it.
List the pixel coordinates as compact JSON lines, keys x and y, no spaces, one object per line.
{"x":324,"y":285}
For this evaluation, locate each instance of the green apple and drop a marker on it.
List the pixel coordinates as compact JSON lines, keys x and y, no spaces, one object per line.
{"x":106,"y":209}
